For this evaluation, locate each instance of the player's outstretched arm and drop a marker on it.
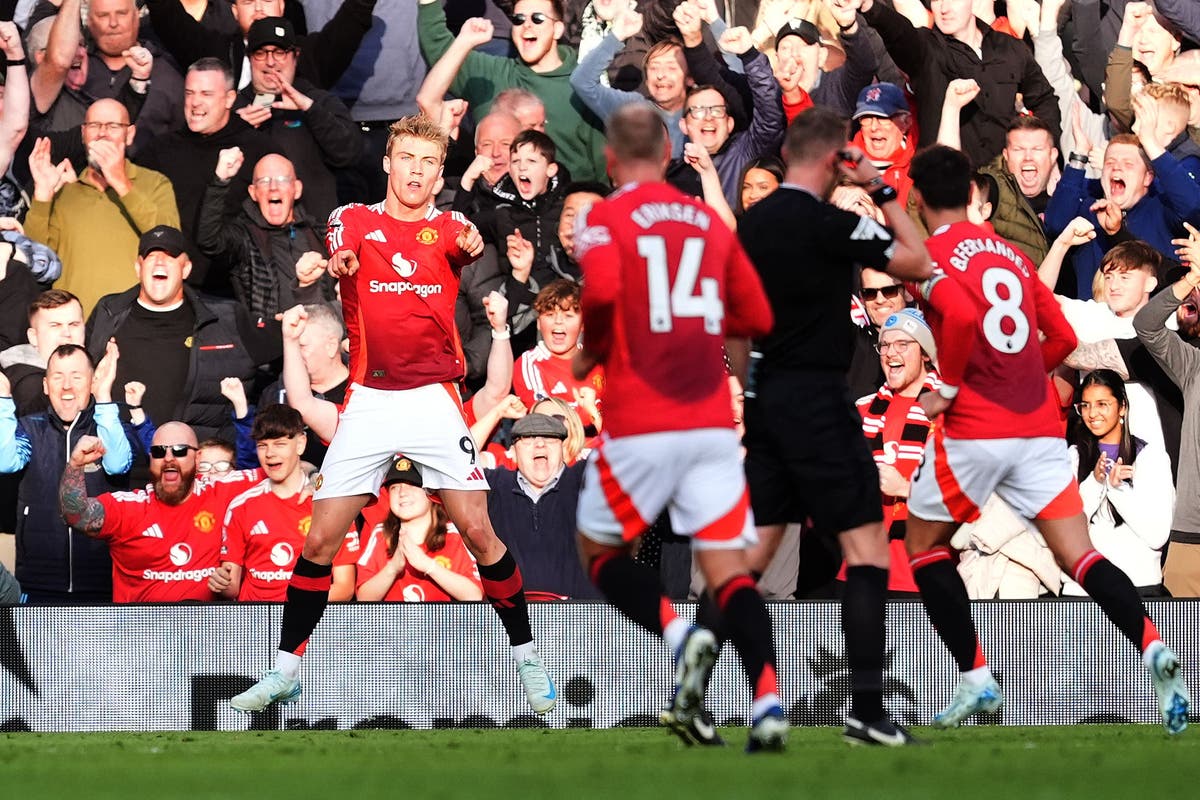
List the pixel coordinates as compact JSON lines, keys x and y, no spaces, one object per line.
{"x":80,"y":511}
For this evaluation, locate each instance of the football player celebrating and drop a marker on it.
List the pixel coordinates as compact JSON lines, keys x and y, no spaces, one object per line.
{"x":398,"y":263}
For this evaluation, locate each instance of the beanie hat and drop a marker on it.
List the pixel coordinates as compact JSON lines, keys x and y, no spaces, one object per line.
{"x":912,"y":322}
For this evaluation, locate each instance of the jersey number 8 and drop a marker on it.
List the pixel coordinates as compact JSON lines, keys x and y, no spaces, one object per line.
{"x":679,"y":301}
{"x":1001,"y":309}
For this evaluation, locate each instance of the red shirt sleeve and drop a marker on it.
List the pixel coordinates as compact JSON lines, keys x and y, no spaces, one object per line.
{"x":454,"y":225}
{"x":348,"y":553}
{"x":340,"y":235}
{"x":600,"y":259}
{"x":959,"y":326}
{"x":114,"y":517}
{"x":1060,"y":337}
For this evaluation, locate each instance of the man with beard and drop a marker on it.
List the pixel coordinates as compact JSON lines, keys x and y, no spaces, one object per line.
{"x":165,"y":538}
{"x":55,"y":563}
{"x":1179,"y":356}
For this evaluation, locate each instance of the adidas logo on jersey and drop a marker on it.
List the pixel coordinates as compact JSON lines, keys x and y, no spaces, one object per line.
{"x":559,"y":388}
{"x":376,"y":236}
{"x":154,"y":532}
{"x":259,"y":529}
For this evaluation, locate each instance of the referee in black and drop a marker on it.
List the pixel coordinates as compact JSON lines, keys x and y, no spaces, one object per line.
{"x":806,"y":453}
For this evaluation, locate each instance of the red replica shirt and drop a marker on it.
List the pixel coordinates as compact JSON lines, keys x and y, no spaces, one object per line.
{"x":1004,"y":390}
{"x":162,"y":553}
{"x":412,"y":586}
{"x":665,"y":281}
{"x":264,"y":534}
{"x":399,"y":306}
{"x":538,"y":375}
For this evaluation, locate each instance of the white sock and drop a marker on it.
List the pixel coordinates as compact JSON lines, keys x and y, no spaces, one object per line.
{"x":288,"y":664}
{"x":978,"y":676}
{"x":521,"y":652}
{"x":675,"y":633}
{"x":1148,"y":653}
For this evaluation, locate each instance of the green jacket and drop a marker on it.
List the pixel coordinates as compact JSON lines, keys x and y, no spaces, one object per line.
{"x":96,"y":233}
{"x":1013,"y":217}
{"x":577,"y":133}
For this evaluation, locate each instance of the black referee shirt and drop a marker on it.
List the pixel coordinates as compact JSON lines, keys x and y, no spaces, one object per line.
{"x":807,"y":253}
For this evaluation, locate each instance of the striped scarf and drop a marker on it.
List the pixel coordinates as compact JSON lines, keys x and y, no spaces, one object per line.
{"x":904,"y":454}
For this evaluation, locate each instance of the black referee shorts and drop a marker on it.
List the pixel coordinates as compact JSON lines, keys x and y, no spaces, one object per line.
{"x":806,"y":455}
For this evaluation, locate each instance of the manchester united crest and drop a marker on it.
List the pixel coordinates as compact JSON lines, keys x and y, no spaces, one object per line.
{"x":427,"y":235}
{"x":402,"y":464}
{"x":304,"y":524}
{"x":205,"y":521}
{"x":442,"y":562}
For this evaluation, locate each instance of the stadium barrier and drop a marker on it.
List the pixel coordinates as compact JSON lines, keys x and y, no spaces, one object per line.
{"x":448,"y":665}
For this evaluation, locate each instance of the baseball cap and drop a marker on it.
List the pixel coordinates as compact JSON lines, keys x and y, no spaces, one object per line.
{"x":271,"y":30}
{"x":403,"y":471}
{"x":538,"y":425}
{"x":799,"y":27}
{"x":912,"y":322}
{"x":880,"y":100}
{"x":162,"y":237}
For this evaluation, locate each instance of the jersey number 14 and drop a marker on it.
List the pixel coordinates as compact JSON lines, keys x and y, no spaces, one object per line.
{"x":680,"y":300}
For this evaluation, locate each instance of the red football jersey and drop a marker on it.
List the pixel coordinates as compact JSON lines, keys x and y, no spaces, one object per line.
{"x":537,"y":375}
{"x":1004,"y":391}
{"x":399,"y":305}
{"x":412,"y":586}
{"x":162,"y":553}
{"x":665,"y":281}
{"x":264,"y":534}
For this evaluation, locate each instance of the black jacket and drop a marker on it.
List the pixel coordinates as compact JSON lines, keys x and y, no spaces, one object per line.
{"x":324,"y":55}
{"x":541,"y":535}
{"x":259,"y":255}
{"x":316,"y":141}
{"x":52,"y":557}
{"x":933,"y":59}
{"x":219,"y":350}
{"x":189,"y":160}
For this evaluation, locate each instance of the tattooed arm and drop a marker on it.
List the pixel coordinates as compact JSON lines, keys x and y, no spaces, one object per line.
{"x":80,"y":511}
{"x":1098,"y":355}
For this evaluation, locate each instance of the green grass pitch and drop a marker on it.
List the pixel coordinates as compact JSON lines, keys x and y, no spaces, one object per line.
{"x":1130,"y":762}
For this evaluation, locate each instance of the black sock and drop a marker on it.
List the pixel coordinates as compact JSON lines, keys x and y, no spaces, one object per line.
{"x":864,"y":626}
{"x":1114,"y":593}
{"x":949,"y":608}
{"x":709,"y":616}
{"x":307,"y":596}
{"x":749,"y":628}
{"x":633,"y":589}
{"x":505,"y":590}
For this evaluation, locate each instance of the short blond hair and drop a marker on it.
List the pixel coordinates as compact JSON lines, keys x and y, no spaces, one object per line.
{"x":417,"y":126}
{"x":1171,"y":94}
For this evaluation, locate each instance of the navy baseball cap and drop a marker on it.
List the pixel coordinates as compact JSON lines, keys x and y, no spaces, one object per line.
{"x":881,"y":100}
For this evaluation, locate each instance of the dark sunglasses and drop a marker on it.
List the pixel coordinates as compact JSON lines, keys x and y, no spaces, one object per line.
{"x":177,"y":450}
{"x":537,"y":18}
{"x":889,"y":292}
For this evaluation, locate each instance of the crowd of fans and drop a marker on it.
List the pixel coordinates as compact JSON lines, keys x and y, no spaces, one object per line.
{"x":204,"y":143}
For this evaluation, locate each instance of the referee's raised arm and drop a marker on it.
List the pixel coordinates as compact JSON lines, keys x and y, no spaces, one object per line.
{"x":910,"y":260}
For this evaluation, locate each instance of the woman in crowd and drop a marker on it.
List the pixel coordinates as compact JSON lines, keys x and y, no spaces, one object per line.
{"x":762,"y":176}
{"x":1125,"y":483}
{"x":414,"y":555}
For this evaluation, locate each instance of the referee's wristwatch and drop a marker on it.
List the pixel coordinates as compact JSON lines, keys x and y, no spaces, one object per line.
{"x":880,"y":192}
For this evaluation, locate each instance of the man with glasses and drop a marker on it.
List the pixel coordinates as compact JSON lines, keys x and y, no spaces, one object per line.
{"x":307,"y":124}
{"x":189,"y":156}
{"x":273,"y":246}
{"x":541,"y":66}
{"x":164,"y":539}
{"x":94,"y":223}
{"x":881,"y":296}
